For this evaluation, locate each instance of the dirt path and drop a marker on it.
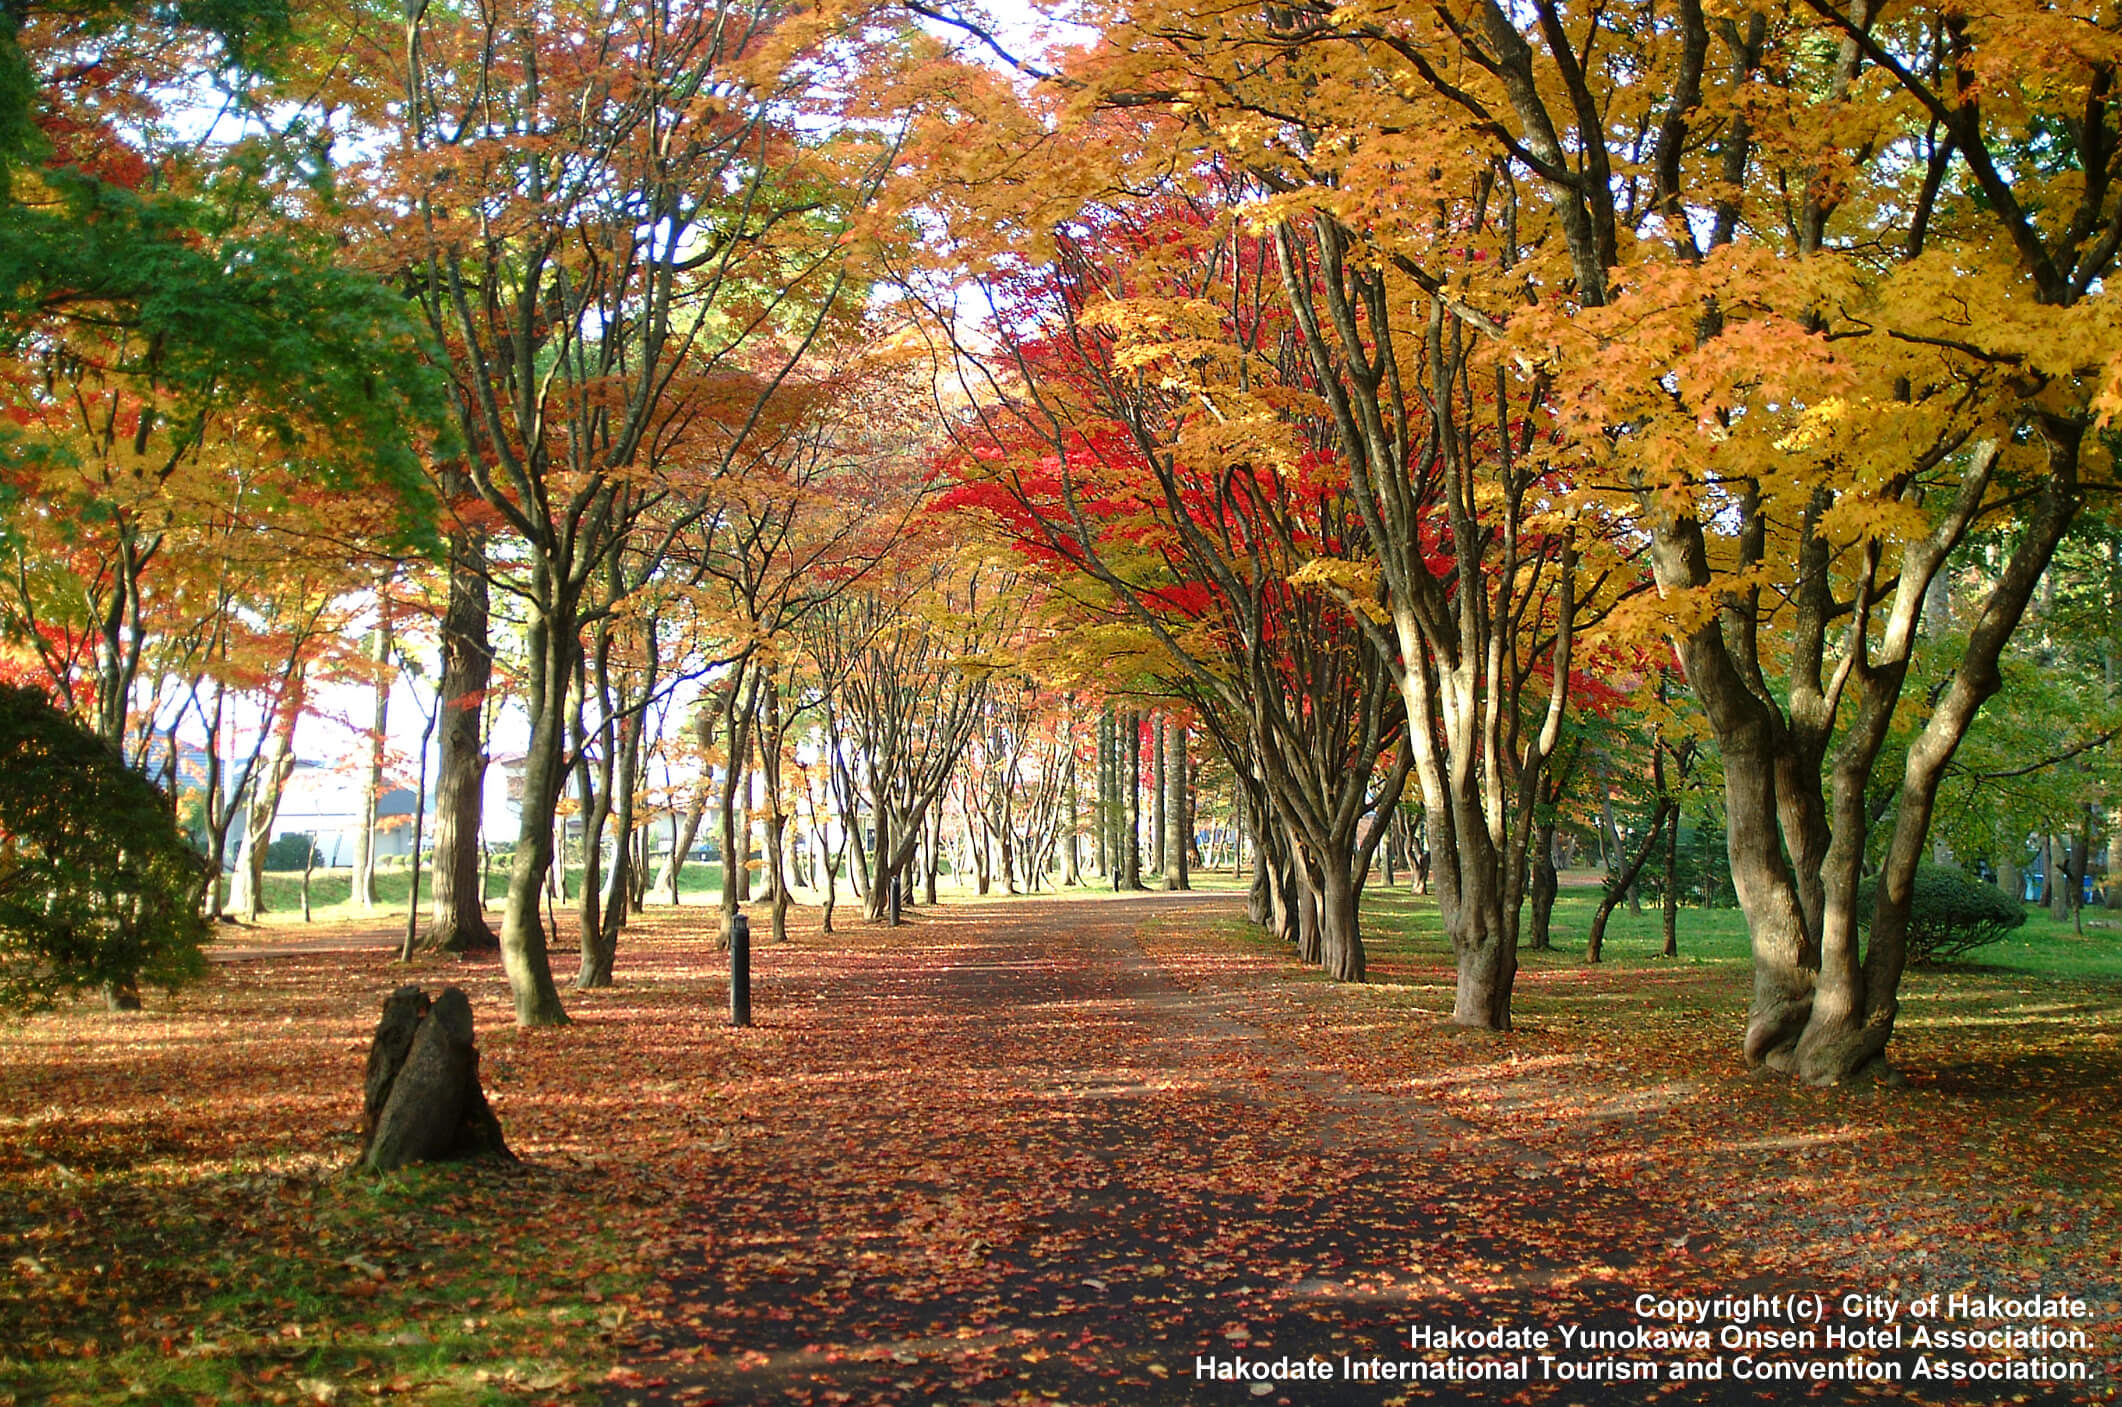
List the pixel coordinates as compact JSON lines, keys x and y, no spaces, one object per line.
{"x":1008,"y":1160}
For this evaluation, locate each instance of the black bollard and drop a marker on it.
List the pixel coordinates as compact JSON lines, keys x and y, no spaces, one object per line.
{"x":740,"y":970}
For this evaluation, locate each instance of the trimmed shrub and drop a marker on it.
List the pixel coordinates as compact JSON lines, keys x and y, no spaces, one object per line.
{"x":1950,"y":914}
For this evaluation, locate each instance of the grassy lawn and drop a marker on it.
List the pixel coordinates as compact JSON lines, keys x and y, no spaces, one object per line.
{"x":330,"y":891}
{"x":699,"y":883}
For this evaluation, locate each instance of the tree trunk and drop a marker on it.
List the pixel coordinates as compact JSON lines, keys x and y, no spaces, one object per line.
{"x":524,"y":955}
{"x":1545,"y":885}
{"x":776,"y":820}
{"x":1663,"y":816}
{"x":1340,"y":935}
{"x":457,"y":923}
{"x":1159,"y":797}
{"x":739,"y":712}
{"x":2012,"y":879}
{"x":1853,"y":1017}
{"x":932,"y":856}
{"x":687,"y":828}
{"x":593,"y":804}
{"x":1311,"y":946}
{"x":1487,"y":962}
{"x":2064,"y":852}
{"x":1072,"y":851}
{"x":1178,"y":841}
{"x":1130,"y":743}
{"x":1108,"y":799}
{"x":422,"y":1098}
{"x":265,"y":806}
{"x":1671,"y":895}
{"x":740,"y":859}
{"x":364,"y":882}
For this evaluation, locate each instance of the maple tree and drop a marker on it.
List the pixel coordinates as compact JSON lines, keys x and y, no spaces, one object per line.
{"x":622,"y":237}
{"x":1805,"y":313}
{"x":820,"y":504}
{"x":1457,"y":556}
{"x":1801,"y":415}
{"x":911,"y":655}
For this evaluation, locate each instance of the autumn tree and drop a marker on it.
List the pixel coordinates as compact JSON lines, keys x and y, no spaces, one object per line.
{"x":828,"y":481}
{"x":913,"y":653}
{"x":170,"y":301}
{"x":619,"y":229}
{"x":1131,"y":434}
{"x":1812,"y":297}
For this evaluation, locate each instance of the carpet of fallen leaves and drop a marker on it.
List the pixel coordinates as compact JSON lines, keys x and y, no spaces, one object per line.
{"x":1012,"y":1153}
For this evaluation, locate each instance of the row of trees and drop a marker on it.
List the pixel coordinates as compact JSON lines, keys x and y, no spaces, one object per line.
{"x":1400,"y":393}
{"x":1481,"y":348}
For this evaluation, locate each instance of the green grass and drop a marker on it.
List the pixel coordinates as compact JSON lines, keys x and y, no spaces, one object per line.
{"x":331,"y":891}
{"x":1397,"y":922}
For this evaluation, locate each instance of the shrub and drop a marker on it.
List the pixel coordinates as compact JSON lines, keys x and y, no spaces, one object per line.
{"x":1951,"y":913}
{"x":292,"y":851}
{"x":98,"y":887}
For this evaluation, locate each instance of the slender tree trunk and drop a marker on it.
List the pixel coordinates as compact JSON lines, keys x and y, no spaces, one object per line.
{"x":1130,"y":741}
{"x":593,"y":796}
{"x":554,"y":648}
{"x":622,"y":887}
{"x":1072,"y":852}
{"x":1311,"y":944}
{"x":1671,"y":894}
{"x":364,"y":882}
{"x":776,"y":819}
{"x":1104,"y":817}
{"x":265,"y":806}
{"x":741,"y":859}
{"x":1662,"y":816}
{"x":1159,"y":797}
{"x":1545,"y":885}
{"x":412,"y":894}
{"x":457,"y":923}
{"x":1178,"y":841}
{"x":739,"y":714}
{"x":687,"y":827}
{"x":932,"y":856}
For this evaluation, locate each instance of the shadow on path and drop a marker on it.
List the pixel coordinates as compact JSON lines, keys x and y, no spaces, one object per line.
{"x":1004,"y":1159}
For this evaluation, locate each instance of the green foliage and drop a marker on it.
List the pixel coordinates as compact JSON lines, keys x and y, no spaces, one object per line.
{"x":293,"y":851}
{"x":184,"y":275}
{"x":221,"y":319}
{"x":1951,"y":913}
{"x":97,"y":884}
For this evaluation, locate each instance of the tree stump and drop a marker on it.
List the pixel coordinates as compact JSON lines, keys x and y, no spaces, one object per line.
{"x":421,"y":1100}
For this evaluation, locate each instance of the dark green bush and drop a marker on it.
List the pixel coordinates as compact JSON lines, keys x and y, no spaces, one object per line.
{"x":1951,"y":913}
{"x":292,"y":851}
{"x":98,"y":887}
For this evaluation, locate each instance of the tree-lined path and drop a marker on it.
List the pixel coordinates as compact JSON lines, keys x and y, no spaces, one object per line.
{"x":1011,"y":1159}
